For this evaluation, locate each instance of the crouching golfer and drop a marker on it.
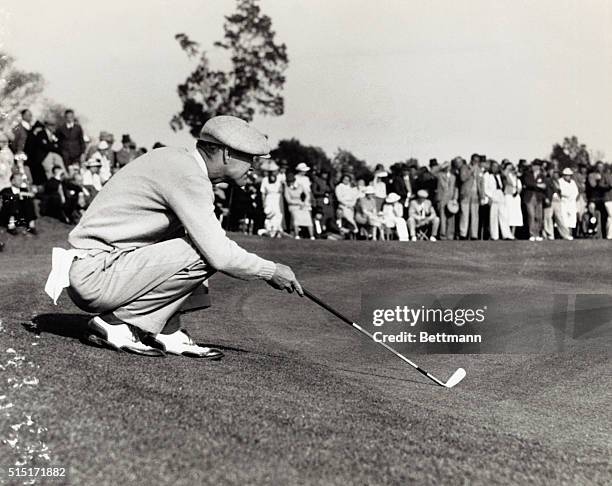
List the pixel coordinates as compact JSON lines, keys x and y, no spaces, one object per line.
{"x":145,"y":247}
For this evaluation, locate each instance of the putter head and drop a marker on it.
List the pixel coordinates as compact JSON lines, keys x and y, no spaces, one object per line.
{"x":456,"y":378}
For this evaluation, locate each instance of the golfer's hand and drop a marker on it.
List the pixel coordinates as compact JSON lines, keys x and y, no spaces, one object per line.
{"x":284,"y":279}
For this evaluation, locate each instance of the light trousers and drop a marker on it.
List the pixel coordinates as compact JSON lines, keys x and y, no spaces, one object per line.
{"x":144,"y":287}
{"x":498,"y":221}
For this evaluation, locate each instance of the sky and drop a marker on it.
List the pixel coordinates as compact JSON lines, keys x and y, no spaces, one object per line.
{"x":386,"y":80}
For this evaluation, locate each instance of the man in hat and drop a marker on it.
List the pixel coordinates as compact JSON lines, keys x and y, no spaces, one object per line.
{"x":142,"y":257}
{"x":92,"y":180}
{"x":470,"y":196}
{"x":421,"y":214}
{"x":494,"y":189}
{"x":569,"y":193}
{"x":126,"y":153}
{"x":534,"y":191}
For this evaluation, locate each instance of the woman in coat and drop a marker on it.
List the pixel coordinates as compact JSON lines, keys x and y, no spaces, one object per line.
{"x":512,"y":193}
{"x":299,"y":205}
{"x":347,"y":196}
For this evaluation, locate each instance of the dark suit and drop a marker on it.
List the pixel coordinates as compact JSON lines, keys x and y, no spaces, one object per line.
{"x":71,"y":143}
{"x":533,"y":196}
{"x":38,"y":147}
{"x":16,"y":206}
{"x":341,"y":228}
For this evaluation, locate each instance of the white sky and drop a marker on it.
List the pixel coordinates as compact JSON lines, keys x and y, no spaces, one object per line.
{"x":386,"y":79}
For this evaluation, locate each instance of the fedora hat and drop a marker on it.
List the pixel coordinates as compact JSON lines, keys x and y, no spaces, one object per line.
{"x":452,"y":206}
{"x":302,"y":167}
{"x":392,"y":198}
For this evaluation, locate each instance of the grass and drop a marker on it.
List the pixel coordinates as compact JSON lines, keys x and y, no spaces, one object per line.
{"x":300,"y":398}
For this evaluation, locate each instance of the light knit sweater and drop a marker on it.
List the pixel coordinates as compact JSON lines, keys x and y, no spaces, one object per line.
{"x":157,"y":197}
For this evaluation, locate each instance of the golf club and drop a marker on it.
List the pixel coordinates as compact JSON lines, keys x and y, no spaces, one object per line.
{"x":456,"y":377}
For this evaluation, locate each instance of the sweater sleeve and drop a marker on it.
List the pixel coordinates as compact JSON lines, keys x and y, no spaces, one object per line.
{"x":192,"y":200}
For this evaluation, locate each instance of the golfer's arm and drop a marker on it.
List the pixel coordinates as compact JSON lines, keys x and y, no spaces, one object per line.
{"x":195,"y":208}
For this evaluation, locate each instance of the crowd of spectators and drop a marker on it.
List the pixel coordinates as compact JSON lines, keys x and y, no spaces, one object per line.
{"x":479,"y":199}
{"x":56,"y":171}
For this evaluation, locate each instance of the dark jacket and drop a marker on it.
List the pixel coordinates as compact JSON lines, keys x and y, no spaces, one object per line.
{"x":332,"y":226}
{"x":70,"y":142}
{"x":38,"y":147}
{"x":530,"y":182}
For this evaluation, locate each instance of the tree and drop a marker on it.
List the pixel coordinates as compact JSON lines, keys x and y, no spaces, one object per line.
{"x":570,"y":153}
{"x":253,"y":85}
{"x":18,"y":90}
{"x":293,"y":152}
{"x":345,"y":161}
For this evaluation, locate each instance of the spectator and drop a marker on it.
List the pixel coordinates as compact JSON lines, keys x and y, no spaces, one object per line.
{"x":366,"y":215}
{"x":484,"y":210}
{"x":92,"y":181}
{"x":607,"y":176}
{"x":319,"y":226}
{"x":494,"y":189}
{"x":553,"y":215}
{"x":590,"y":222}
{"x":428,"y":181}
{"x":400,"y":183}
{"x":447,"y":193}
{"x":71,"y":140}
{"x":102,"y":155}
{"x":581,"y":181}
{"x":470,"y":197}
{"x":534,"y":193}
{"x":20,"y":167}
{"x":298,"y":201}
{"x":272,"y":196}
{"x":347,"y":196}
{"x":323,"y":193}
{"x":41,"y":142}
{"x":568,"y":190}
{"x":361,"y":187}
{"x":422,"y":216}
{"x":18,"y":206}
{"x":393,"y":217}
{"x":6,"y":161}
{"x":596,"y":191}
{"x":53,"y":197}
{"x":512,"y":191}
{"x":379,"y":183}
{"x":340,"y":228}
{"x":21,"y":132}
{"x":301,"y":177}
{"x":126,"y":153}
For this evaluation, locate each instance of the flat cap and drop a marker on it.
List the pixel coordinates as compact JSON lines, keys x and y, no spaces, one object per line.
{"x":235,"y":133}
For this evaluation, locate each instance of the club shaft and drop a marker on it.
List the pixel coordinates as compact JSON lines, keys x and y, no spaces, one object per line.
{"x":354,"y":325}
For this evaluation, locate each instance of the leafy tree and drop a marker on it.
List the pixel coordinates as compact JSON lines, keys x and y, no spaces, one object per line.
{"x":18,"y":90}
{"x":570,"y":153}
{"x":253,"y":85}
{"x":345,"y":161}
{"x":293,"y":152}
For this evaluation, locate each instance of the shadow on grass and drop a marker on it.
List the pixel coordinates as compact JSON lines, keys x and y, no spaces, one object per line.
{"x":74,"y":326}
{"x":66,"y":325}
